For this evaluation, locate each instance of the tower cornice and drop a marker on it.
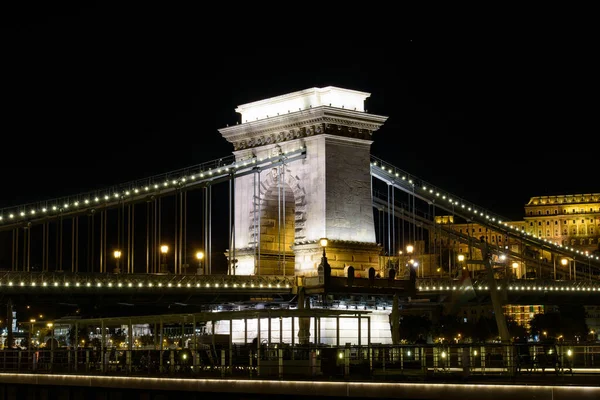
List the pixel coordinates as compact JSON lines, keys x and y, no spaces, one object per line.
{"x":303,"y":123}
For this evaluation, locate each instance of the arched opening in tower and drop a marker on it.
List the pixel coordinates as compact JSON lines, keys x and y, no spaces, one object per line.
{"x":277,"y":228}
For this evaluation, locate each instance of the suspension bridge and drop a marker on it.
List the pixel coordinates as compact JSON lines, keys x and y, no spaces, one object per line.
{"x":250,"y":225}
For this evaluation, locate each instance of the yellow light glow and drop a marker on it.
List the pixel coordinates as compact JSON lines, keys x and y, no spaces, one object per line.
{"x":564,"y":261}
{"x":323,"y":242}
{"x":164,"y":249}
{"x":117,"y":254}
{"x":515,"y":264}
{"x":410,"y":248}
{"x":199,"y":255}
{"x":461,"y":257}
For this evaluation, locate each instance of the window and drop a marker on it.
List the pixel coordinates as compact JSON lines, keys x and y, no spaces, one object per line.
{"x":539,"y":213}
{"x":531,"y":224}
{"x":540,"y":223}
{"x":547,"y":222}
{"x":555,"y":212}
{"x":547,"y":212}
{"x":555,"y":222}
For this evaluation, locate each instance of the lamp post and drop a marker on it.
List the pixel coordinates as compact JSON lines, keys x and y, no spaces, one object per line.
{"x":234,"y":266}
{"x":515,"y":265}
{"x":461,"y":260}
{"x":51,"y":328}
{"x":323,"y":242}
{"x":164,"y":249}
{"x":324,"y":266}
{"x":117,"y":255}
{"x":199,"y":257}
{"x":503,"y":260}
{"x":324,"y":270}
{"x":30,"y":344}
{"x":564,"y":262}
{"x":409,"y":251}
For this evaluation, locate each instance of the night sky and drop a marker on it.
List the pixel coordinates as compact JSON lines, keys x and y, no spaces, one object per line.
{"x":98,"y":95}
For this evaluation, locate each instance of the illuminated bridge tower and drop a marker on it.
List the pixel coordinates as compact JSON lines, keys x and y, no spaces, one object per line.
{"x":282,"y":212}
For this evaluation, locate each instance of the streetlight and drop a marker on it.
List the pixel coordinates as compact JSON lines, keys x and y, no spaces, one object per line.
{"x":461,"y":260}
{"x":199,"y":257}
{"x":117,"y":255}
{"x":164,"y":249}
{"x":515,"y":265}
{"x":50,"y":327}
{"x":30,"y":345}
{"x":324,"y":266}
{"x":323,"y":242}
{"x":564,"y":262}
{"x":409,"y":250}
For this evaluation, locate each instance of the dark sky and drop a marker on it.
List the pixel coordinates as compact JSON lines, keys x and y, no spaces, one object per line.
{"x":98,"y":95}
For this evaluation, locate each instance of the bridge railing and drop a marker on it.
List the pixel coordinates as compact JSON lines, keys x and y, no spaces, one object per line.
{"x":60,"y":280}
{"x":518,"y":285}
{"x":280,"y":360}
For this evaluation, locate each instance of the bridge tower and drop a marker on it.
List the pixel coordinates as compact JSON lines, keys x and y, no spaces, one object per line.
{"x":281,"y":213}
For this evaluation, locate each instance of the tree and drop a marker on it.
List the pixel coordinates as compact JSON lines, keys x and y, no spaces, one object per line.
{"x":548,"y":323}
{"x":448,"y":327}
{"x":413,"y":326}
{"x":516,"y":331}
{"x":118,"y":337}
{"x":82,"y":334}
{"x":485,"y":329}
{"x":569,"y":322}
{"x":572,"y":321}
{"x":146,"y":340}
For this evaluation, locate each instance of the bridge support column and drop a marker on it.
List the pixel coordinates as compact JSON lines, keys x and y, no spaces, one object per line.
{"x":359,"y":330}
{"x":337,"y":331}
{"x":103,"y":348}
{"x":75,"y":345}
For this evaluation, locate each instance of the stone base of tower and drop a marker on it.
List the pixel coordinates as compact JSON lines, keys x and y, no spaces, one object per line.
{"x":340,"y":256}
{"x":249,"y":262}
